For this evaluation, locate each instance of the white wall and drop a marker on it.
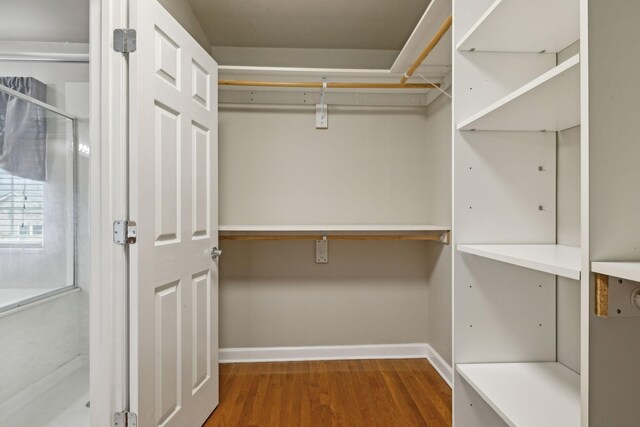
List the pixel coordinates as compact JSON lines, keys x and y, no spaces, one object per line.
{"x":568,"y":233}
{"x":37,"y":340}
{"x":304,"y":58}
{"x":274,"y":294}
{"x":45,"y":21}
{"x":438,"y":163}
{"x":373,"y":165}
{"x":614,"y":203}
{"x":182,"y":12}
{"x":367,"y":168}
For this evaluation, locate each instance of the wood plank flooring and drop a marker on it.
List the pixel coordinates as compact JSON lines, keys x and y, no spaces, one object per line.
{"x":349,"y":393}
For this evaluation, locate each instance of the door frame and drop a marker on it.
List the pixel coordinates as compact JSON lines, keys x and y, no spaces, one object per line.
{"x":109,"y":385}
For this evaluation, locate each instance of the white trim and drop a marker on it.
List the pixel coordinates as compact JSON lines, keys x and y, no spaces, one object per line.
{"x":339,"y":352}
{"x":108,"y":295}
{"x":39,"y":300}
{"x":440,"y":365}
{"x":29,"y":394}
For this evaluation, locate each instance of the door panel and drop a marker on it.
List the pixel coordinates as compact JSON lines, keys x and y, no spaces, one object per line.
{"x":173,"y":198}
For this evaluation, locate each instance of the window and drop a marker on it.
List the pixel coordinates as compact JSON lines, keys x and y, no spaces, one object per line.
{"x":21,"y":211}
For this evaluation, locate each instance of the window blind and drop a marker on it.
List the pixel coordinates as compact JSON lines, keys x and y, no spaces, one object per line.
{"x":21,"y":210}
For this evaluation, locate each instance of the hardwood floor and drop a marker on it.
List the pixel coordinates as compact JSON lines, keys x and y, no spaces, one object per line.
{"x":348,"y":393}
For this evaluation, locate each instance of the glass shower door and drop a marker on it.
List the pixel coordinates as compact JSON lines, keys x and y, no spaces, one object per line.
{"x":44,"y":371}
{"x":37,"y":200}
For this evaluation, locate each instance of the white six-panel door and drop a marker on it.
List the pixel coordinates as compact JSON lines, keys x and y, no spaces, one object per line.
{"x":174,"y":200}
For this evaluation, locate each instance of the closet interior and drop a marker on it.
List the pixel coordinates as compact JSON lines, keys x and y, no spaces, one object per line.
{"x":335,"y":202}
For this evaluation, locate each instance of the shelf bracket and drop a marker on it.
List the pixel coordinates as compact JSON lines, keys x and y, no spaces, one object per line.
{"x":322,"y":251}
{"x":322,"y":110}
{"x":445,"y":237}
{"x":617,"y":297}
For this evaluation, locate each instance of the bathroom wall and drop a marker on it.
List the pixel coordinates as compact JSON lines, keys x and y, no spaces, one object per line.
{"x":50,"y":333}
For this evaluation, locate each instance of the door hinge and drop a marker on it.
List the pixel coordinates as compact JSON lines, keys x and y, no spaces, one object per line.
{"x":124,"y":40}
{"x":125,"y":419}
{"x":125,"y":232}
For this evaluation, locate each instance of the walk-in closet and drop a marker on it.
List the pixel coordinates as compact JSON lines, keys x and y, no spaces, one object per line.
{"x":219,"y":213}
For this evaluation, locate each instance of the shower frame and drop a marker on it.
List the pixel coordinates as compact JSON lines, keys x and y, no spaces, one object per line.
{"x":74,"y":128}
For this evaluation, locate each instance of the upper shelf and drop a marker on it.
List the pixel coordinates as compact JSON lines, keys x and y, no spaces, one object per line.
{"x":554,"y":259}
{"x":622,"y":270}
{"x":527,"y":394}
{"x":525,"y":26}
{"x":551,"y":102}
{"x":433,"y":17}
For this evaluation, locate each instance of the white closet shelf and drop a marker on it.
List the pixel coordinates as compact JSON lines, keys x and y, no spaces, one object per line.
{"x":424,"y":31}
{"x":329,"y":228}
{"x":525,"y":26}
{"x":554,"y":259}
{"x":551,"y":102}
{"x":527,"y":394}
{"x":622,"y":270}
{"x":335,"y":232}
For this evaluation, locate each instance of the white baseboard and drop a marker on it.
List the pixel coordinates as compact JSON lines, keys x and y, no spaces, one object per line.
{"x":339,"y":352}
{"x":440,"y":365}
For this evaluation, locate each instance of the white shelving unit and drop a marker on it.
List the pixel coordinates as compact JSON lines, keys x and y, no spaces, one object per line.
{"x":524,"y":26}
{"x":553,"y":259}
{"x":527,"y":394}
{"x":517,"y":76}
{"x":549,"y":103}
{"x":622,"y":270}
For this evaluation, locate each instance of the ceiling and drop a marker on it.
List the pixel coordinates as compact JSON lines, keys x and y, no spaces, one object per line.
{"x":309,"y":24}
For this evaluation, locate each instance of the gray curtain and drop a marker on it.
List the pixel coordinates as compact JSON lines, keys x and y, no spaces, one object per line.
{"x":23,"y":129}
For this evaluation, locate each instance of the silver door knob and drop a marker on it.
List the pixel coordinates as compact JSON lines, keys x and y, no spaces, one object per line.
{"x":215,"y":252}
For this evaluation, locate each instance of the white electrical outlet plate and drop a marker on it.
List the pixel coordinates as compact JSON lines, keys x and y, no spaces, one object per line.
{"x":322,"y":116}
{"x":322,"y":251}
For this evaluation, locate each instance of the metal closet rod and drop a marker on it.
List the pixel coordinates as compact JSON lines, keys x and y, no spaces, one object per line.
{"x":337,"y":85}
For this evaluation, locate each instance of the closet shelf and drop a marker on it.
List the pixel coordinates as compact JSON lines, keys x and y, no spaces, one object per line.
{"x":621,"y":270}
{"x":527,"y":394}
{"x":551,"y":102}
{"x":525,"y":26}
{"x":554,"y":259}
{"x":335,"y":232}
{"x":440,"y":57}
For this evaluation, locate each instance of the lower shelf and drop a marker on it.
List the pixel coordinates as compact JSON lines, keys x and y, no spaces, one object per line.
{"x":335,"y":232}
{"x":527,"y":394}
{"x":554,"y":259}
